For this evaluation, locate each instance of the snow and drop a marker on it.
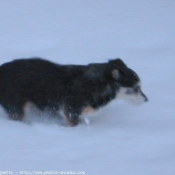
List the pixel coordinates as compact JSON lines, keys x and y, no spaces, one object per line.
{"x":120,"y":138}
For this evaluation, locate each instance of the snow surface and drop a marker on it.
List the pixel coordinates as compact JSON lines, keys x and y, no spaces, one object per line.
{"x":120,"y":139}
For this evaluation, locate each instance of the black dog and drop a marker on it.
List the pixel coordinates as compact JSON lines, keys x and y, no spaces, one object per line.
{"x":72,"y":88}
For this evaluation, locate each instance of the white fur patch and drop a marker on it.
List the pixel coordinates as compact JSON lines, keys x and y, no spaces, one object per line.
{"x":133,"y":98}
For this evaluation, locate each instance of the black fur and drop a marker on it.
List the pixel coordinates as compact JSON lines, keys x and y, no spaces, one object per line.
{"x":53,"y":87}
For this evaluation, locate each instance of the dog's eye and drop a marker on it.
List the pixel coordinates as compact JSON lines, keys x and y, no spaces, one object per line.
{"x":137,"y":88}
{"x":130,"y":91}
{"x":133,"y":90}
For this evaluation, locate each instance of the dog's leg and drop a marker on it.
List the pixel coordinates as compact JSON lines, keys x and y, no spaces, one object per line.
{"x":15,"y":112}
{"x":72,"y":118}
{"x":17,"y":115}
{"x":72,"y":115}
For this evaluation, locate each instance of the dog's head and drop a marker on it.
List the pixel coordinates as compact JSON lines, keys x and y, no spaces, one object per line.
{"x":127,"y":81}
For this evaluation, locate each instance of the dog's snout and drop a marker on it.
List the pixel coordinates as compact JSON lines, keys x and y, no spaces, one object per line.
{"x":146,"y":99}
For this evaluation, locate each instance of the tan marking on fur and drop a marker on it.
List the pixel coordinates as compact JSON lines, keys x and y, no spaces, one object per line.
{"x":87,"y":109}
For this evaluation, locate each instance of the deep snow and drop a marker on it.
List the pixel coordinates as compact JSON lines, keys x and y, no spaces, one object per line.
{"x":120,"y":139}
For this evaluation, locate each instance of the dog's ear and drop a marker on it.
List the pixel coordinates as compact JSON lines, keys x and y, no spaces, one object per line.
{"x":117,"y":63}
{"x":115,"y":66}
{"x":115,"y":74}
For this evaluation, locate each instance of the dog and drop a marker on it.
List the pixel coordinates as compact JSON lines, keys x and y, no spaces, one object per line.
{"x":74,"y":89}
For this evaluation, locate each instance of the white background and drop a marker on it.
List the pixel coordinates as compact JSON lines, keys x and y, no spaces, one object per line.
{"x":121,"y":139}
